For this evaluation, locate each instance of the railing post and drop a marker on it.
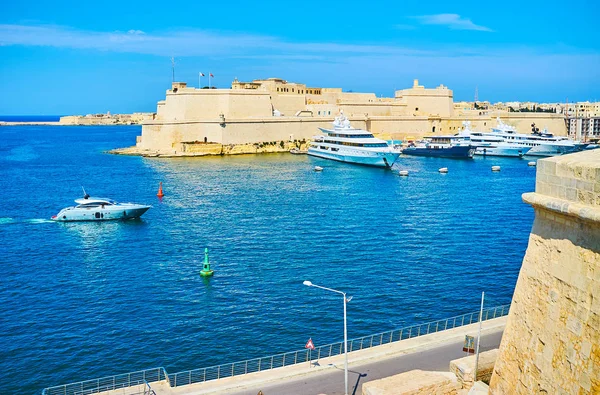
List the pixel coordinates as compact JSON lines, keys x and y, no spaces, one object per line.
{"x":204,"y":375}
{"x":296,"y":357}
{"x":409,"y":331}
{"x":271,"y":362}
{"x":446,"y":324}
{"x":428,"y":328}
{"x":246,"y":371}
{"x":259,"y":361}
{"x":232,"y":368}
{"x":218,"y":372}
{"x":400,"y":334}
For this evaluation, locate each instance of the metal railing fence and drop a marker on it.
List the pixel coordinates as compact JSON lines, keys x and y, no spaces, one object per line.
{"x":270,"y":362}
{"x":142,"y":377}
{"x":329,"y":350}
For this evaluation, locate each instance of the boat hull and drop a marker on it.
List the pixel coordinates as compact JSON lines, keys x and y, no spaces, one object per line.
{"x":458,"y":152}
{"x":516,"y":152}
{"x":377,"y":159}
{"x":115,"y":213}
{"x":552,"y":150}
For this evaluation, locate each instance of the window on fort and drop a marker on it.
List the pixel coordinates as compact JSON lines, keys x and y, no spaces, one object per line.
{"x":292,"y":89}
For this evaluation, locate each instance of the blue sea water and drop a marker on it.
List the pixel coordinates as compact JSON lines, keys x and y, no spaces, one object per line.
{"x":86,"y":300}
{"x":30,"y":118}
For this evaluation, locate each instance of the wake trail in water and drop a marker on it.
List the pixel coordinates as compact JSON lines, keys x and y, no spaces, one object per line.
{"x":12,"y":221}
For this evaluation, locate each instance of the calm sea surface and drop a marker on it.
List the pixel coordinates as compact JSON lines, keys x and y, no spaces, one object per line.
{"x":86,"y":300}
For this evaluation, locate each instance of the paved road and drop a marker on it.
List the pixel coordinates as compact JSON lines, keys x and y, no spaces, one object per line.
{"x":333,"y":383}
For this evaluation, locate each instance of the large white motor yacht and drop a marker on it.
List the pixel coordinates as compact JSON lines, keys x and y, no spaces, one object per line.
{"x":542,"y":144}
{"x":492,"y":144}
{"x":346,"y":144}
{"x":100,"y":209}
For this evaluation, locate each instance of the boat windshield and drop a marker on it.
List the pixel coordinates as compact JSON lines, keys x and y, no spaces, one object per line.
{"x":96,"y":204}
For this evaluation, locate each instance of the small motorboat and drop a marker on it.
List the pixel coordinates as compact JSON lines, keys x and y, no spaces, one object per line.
{"x":297,"y":151}
{"x":318,"y":168}
{"x":100,"y":209}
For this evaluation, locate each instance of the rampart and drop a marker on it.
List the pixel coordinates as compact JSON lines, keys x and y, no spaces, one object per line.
{"x":551,"y":343}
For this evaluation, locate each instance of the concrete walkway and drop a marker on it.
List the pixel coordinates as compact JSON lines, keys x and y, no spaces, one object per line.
{"x":295,"y":379}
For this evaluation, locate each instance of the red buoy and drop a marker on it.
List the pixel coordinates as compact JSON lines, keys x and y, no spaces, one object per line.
{"x":160,"y":191}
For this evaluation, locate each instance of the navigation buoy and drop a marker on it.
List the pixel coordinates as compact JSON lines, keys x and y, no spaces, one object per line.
{"x":531,"y":164}
{"x":495,"y":168}
{"x":160,"y":191}
{"x":206,"y":271}
{"x":403,"y":173}
{"x":443,"y":170}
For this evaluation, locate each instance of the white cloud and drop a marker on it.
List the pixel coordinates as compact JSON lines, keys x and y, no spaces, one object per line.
{"x":184,"y":43}
{"x":452,"y":21}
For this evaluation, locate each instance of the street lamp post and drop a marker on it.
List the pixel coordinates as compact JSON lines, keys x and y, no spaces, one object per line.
{"x":309,"y":284}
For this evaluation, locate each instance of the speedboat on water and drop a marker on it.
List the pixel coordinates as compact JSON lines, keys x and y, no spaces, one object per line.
{"x":100,"y":209}
{"x":346,"y":144}
{"x":442,"y":147}
{"x":489,"y":144}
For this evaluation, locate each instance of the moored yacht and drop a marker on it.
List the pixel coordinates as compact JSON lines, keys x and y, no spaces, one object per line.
{"x":443,"y":147}
{"x":346,"y":144}
{"x":541,"y":144}
{"x":100,"y":209}
{"x":489,"y":144}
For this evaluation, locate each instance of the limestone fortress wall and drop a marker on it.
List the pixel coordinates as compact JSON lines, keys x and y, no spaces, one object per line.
{"x":551,"y":344}
{"x":275,"y":110}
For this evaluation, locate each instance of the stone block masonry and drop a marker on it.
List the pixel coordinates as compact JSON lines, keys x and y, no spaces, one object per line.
{"x":415,"y":382}
{"x":552,"y":340}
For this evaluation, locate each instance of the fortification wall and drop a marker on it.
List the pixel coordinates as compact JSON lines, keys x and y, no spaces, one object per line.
{"x":551,"y":343}
{"x":190,"y":104}
{"x":161,"y":136}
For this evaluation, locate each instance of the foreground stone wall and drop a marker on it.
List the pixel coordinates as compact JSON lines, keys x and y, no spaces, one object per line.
{"x":552,"y":339}
{"x":415,"y":382}
{"x":464,"y":368}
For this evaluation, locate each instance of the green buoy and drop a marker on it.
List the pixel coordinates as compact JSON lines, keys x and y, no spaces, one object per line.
{"x":206,"y":271}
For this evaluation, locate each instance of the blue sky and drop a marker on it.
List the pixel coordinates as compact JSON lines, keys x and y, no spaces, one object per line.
{"x":77,"y":57}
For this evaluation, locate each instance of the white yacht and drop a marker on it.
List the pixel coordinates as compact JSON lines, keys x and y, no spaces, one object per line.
{"x":492,"y":144}
{"x":99,"y":209}
{"x":346,"y":144}
{"x":542,"y":144}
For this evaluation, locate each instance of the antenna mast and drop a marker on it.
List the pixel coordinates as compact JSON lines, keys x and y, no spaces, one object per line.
{"x":476,"y":94}
{"x":173,"y":67}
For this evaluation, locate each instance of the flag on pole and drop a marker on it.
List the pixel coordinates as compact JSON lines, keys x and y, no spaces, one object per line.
{"x":211,"y":75}
{"x":201,"y":74}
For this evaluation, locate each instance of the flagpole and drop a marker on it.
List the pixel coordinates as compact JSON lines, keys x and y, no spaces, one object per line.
{"x":209,"y":74}
{"x":199,"y":83}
